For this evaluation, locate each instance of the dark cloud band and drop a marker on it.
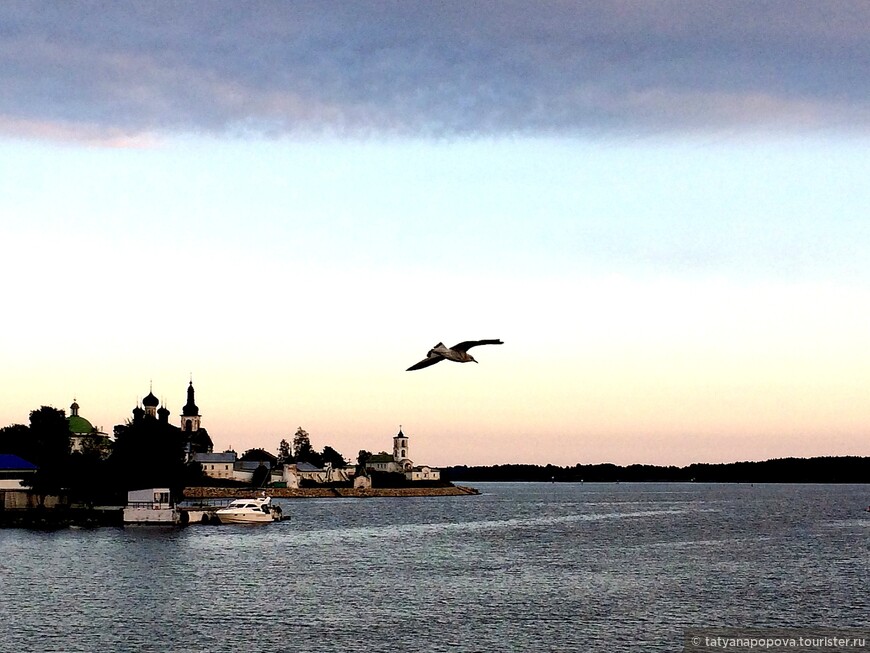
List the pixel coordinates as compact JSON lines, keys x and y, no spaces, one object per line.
{"x":427,"y":68}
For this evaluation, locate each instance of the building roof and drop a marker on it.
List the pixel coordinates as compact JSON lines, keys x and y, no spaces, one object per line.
{"x":307,"y":467}
{"x":9,"y":461}
{"x":248,"y":465}
{"x":381,"y":458}
{"x":225,"y":457}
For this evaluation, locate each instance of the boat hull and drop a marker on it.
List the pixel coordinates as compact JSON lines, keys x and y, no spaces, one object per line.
{"x":229,"y":518}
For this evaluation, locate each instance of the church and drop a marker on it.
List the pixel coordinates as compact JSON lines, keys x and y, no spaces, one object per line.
{"x":197,"y":439}
{"x":84,"y":435}
{"x":400,"y":462}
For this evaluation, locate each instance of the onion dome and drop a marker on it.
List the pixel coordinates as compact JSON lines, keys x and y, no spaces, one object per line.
{"x":151,"y":401}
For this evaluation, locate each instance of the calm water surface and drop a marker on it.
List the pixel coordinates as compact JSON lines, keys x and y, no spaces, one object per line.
{"x":522,"y":567}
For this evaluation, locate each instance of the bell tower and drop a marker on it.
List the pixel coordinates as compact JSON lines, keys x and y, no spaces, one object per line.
{"x":400,"y":446}
{"x":190,"y":417}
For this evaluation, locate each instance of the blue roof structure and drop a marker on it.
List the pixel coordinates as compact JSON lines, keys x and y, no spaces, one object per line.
{"x":247,"y":465}
{"x":9,"y":462}
{"x":307,"y":467}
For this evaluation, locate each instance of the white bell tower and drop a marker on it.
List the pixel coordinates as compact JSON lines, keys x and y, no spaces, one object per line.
{"x":400,"y":447}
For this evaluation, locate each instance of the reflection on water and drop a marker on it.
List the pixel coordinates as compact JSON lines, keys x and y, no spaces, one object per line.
{"x":522,"y":567}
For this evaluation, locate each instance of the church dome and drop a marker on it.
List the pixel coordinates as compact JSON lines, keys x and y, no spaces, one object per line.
{"x":151,"y":401}
{"x":78,"y":424}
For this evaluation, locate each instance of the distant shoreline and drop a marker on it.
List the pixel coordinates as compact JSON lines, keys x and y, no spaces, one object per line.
{"x":826,"y":469}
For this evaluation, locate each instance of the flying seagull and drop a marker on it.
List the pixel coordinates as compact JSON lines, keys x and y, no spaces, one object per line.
{"x":458,"y":353}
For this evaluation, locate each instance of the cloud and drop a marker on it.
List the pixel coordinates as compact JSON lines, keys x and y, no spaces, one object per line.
{"x":434,"y":69}
{"x":77,"y":133}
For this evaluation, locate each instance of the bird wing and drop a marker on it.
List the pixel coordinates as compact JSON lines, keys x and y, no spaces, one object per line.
{"x":468,"y":344}
{"x":426,"y":362}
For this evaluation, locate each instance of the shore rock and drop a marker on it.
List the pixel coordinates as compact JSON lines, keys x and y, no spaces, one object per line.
{"x":319,"y":493}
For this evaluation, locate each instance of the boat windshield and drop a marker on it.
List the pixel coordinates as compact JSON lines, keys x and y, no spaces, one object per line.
{"x":255,"y":504}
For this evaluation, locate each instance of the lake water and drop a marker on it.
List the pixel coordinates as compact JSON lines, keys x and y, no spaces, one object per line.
{"x":522,"y":567}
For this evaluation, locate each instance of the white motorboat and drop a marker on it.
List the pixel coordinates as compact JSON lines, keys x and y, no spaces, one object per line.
{"x":250,"y":511}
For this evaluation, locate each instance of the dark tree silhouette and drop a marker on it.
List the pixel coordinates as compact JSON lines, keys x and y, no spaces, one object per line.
{"x":258,"y":455}
{"x":301,"y":444}
{"x":331,"y":456}
{"x":260,"y":476}
{"x":16,"y":439}
{"x":284,"y":454}
{"x":149,"y":453}
{"x":49,"y":433}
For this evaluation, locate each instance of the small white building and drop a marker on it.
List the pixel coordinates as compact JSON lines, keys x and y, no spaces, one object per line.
{"x":217,"y":465}
{"x":423,"y":473}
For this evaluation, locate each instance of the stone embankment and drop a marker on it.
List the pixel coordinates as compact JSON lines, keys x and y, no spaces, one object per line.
{"x":320,"y":492}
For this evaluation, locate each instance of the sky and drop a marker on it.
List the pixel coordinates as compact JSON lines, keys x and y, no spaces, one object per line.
{"x":661,"y":208}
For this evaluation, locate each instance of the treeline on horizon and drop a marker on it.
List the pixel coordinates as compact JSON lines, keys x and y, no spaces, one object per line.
{"x":825,"y":469}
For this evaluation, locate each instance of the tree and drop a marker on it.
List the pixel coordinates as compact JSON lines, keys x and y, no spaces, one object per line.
{"x":332,"y":457}
{"x":96,"y":447}
{"x":284,"y":454}
{"x":361,"y":459}
{"x":88,"y":478}
{"x":301,"y":445}
{"x":16,"y":439}
{"x":260,"y":476}
{"x":49,"y":434}
{"x":149,"y":453}
{"x":88,"y":474}
{"x":258,"y":455}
